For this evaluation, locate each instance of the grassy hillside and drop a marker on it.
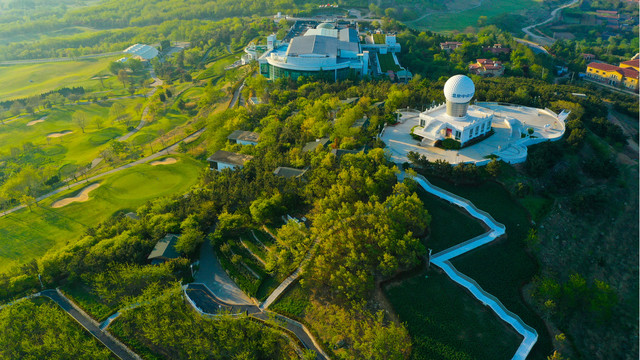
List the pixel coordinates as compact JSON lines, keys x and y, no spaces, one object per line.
{"x":19,"y":81}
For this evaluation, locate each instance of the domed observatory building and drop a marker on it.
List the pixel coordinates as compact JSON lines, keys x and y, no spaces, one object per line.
{"x":455,"y":119}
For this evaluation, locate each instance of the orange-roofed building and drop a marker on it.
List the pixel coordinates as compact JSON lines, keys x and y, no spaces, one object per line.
{"x":631,"y":64}
{"x":625,"y":75}
{"x":487,"y":67}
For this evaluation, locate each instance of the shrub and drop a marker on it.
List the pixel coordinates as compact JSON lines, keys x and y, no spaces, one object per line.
{"x":450,"y":144}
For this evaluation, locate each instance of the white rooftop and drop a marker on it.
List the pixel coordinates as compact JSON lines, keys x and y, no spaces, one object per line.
{"x":146,"y":52}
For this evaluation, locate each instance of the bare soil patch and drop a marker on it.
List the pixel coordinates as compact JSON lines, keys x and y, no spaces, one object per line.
{"x":166,"y":161}
{"x":81,"y":197}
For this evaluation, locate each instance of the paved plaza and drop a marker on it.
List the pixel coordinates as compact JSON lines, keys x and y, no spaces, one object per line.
{"x":509,"y":122}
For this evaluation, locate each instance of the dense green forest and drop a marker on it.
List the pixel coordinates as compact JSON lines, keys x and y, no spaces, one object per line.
{"x":39,"y":329}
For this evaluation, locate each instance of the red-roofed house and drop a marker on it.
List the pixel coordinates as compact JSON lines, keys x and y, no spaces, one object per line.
{"x":487,"y":67}
{"x":588,"y":57}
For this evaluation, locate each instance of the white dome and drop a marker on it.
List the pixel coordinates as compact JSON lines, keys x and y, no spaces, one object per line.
{"x":459,"y":89}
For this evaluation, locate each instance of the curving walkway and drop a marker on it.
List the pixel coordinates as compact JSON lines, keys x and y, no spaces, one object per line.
{"x":442,"y":258}
{"x":207,"y":304}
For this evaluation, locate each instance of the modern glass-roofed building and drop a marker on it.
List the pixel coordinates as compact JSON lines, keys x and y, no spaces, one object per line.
{"x":325,"y":52}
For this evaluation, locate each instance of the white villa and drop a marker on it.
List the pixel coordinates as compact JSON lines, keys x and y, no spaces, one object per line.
{"x":455,"y":119}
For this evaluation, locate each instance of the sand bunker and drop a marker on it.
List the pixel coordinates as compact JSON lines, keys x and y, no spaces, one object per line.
{"x":59,"y":134}
{"x":81,"y":197}
{"x":166,"y":161}
{"x":33,"y":122}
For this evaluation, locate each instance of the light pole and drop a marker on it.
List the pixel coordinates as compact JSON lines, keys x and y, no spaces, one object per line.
{"x":191,"y":266}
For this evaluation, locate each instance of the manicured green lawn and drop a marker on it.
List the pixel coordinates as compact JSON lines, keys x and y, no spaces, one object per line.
{"x":449,"y":225}
{"x":29,"y":234}
{"x":20,"y":81}
{"x":504,"y":267}
{"x":445,"y":322}
{"x":459,"y":21}
{"x":77,"y":147}
{"x":387,"y":63}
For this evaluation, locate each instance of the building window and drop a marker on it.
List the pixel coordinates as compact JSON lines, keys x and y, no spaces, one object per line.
{"x":458,"y":135}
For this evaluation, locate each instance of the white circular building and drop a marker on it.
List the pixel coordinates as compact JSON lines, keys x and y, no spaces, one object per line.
{"x":455,"y":119}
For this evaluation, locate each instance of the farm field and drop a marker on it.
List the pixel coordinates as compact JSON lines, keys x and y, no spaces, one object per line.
{"x":445,"y":322}
{"x":30,"y":234}
{"x":511,"y":266}
{"x":19,"y":81}
{"x":461,"y":19}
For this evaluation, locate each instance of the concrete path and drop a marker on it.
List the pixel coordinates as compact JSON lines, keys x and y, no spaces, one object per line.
{"x":236,"y":96}
{"x":212,"y":274}
{"x":442,"y":258}
{"x":280,"y":289}
{"x":119,"y":349}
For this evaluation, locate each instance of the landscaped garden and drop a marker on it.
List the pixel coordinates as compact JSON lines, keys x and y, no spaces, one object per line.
{"x":387,"y":63}
{"x":246,"y":258}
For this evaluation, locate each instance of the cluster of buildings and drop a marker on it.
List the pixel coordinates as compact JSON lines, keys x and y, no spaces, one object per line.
{"x":482,"y":67}
{"x":625,"y":75}
{"x":333,"y":51}
{"x":487,"y":68}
